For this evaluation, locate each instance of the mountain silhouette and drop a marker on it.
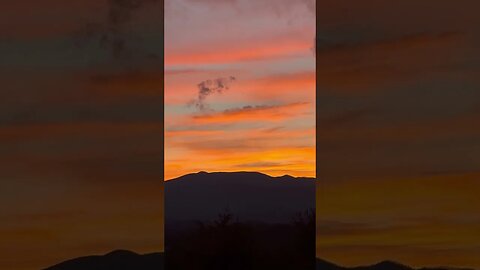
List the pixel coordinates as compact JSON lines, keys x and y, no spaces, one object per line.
{"x":116,"y":260}
{"x":248,"y":195}
{"x":127,"y":260}
{"x":385,"y":265}
{"x":325,"y":265}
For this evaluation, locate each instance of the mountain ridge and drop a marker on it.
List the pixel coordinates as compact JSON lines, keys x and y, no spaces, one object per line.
{"x":128,"y":260}
{"x":383,"y":265}
{"x":117,"y":259}
{"x":250,"y":196}
{"x":285,"y":176}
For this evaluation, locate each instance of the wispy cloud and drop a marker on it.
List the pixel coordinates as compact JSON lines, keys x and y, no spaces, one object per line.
{"x":210,"y":87}
{"x":269,"y":113}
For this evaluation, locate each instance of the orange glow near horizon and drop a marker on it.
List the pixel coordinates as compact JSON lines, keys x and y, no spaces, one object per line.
{"x":294,"y":161}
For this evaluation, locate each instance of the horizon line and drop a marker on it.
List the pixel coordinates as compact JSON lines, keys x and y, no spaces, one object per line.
{"x":259,"y":172}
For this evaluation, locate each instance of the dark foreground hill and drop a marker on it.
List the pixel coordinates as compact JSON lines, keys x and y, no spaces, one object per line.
{"x":127,"y":260}
{"x":385,"y":265}
{"x":251,"y":196}
{"x":116,"y":260}
{"x":229,"y":243}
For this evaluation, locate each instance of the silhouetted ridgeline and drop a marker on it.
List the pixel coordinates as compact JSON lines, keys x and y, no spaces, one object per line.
{"x":385,"y":265}
{"x":250,"y":196}
{"x":264,"y":223}
{"x":127,"y":260}
{"x":223,"y":243}
{"x":269,"y":224}
{"x":116,"y":260}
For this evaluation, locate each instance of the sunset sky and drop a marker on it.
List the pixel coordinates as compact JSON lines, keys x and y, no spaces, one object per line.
{"x":397,"y":108}
{"x":398,"y":133}
{"x":80,"y":129}
{"x":265,"y":120}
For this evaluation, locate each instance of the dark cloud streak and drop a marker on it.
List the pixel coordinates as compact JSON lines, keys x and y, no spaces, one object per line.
{"x":209,"y":87}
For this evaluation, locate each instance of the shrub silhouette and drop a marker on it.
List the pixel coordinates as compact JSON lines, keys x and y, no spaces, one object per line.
{"x":228,"y":244}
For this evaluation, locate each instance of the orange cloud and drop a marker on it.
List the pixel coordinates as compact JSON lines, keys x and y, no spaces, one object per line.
{"x":246,"y":52}
{"x":247,"y":141}
{"x":299,"y":85}
{"x":272,"y":113}
{"x":192,"y":133}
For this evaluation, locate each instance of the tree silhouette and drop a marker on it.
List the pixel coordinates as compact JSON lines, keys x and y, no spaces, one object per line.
{"x":228,"y":244}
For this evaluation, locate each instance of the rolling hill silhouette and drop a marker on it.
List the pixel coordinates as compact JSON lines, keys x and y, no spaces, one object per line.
{"x":116,"y":260}
{"x":251,"y":196}
{"x":127,"y":260}
{"x":385,"y":265}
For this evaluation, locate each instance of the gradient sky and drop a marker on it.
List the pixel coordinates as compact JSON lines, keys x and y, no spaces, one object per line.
{"x":265,"y":120}
{"x":398,"y":135}
{"x":398,"y":105}
{"x":80,"y":129}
